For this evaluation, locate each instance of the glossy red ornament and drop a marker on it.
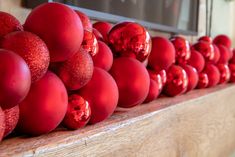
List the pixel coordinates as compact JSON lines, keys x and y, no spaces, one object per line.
{"x":15,"y":79}
{"x":103,"y":28}
{"x":182,"y":49}
{"x":2,"y":124}
{"x":206,"y":49}
{"x":97,"y":34}
{"x":154,"y":91}
{"x":130,"y":39}
{"x":59,"y":26}
{"x":86,"y":22}
{"x":224,"y":54}
{"x":213,"y":74}
{"x":222,"y":40}
{"x":203,"y":80}
{"x":78,"y":113}
{"x":132,"y":79}
{"x":217,"y":54}
{"x":90,"y":43}
{"x":44,"y":107}
{"x":77,"y":71}
{"x":206,"y":39}
{"x":162,"y":55}
{"x":104,"y":58}
{"x":102,"y":95}
{"x":162,"y":73}
{"x":192,"y":76}
{"x":11,"y":119}
{"x":232,"y":60}
{"x":232,"y":71}
{"x":159,"y":78}
{"x":196,"y":60}
{"x":32,"y":49}
{"x":8,"y":24}
{"x":224,"y":73}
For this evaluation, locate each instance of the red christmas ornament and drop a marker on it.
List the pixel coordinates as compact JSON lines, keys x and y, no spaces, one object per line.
{"x":90,"y":43}
{"x":224,"y":73}
{"x":203,"y":80}
{"x":104,"y":58}
{"x":162,"y":73}
{"x":77,"y":71}
{"x":11,"y":119}
{"x":232,"y":60}
{"x":206,"y":49}
{"x":192,"y":77}
{"x":130,"y":39}
{"x":78,"y":113}
{"x":15,"y":79}
{"x":222,"y":40}
{"x":103,"y":28}
{"x":86,"y":23}
{"x":206,"y":39}
{"x":232,"y":71}
{"x":8,"y":24}
{"x":154,"y":91}
{"x":196,"y":60}
{"x":177,"y":81}
{"x":182,"y":49}
{"x":217,"y":54}
{"x":44,"y":107}
{"x":32,"y":49}
{"x":2,"y":124}
{"x":213,"y":74}
{"x":59,"y":26}
{"x":162,"y":55}
{"x":97,"y":34}
{"x":158,"y":77}
{"x":132,"y":79}
{"x":224,"y":54}
{"x":102,"y":95}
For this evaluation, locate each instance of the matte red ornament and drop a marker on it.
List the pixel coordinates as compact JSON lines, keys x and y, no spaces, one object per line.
{"x":217,"y":54}
{"x":232,"y":71}
{"x":32,"y":49}
{"x":103,"y":28}
{"x":130,"y":39}
{"x":196,"y":60}
{"x":192,"y":76}
{"x":222,"y":40}
{"x":78,"y":113}
{"x":177,"y":81}
{"x":182,"y":49}
{"x":11,"y":119}
{"x":203,"y":80}
{"x":132,"y":79}
{"x":59,"y":26}
{"x":77,"y":71}
{"x":15,"y":79}
{"x":90,"y":43}
{"x":102,"y":95}
{"x":224,"y":54}
{"x":224,"y":73}
{"x":104,"y":58}
{"x":97,"y":34}
{"x":2,"y":124}
{"x":213,"y":74}
{"x":162,"y":55}
{"x":206,"y":49}
{"x":44,"y":107}
{"x":154,"y":91}
{"x":86,"y":22}
{"x":206,"y":39}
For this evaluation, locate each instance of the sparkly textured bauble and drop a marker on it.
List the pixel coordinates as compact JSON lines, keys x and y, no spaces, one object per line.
{"x":224,"y":54}
{"x":8,"y":24}
{"x":44,"y":107}
{"x":203,"y":80}
{"x":217,"y":54}
{"x":205,"y":38}
{"x":103,"y":28}
{"x":213,"y":74}
{"x":153,"y":91}
{"x":224,"y":73}
{"x":130,"y":39}
{"x":222,"y":40}
{"x":32,"y":49}
{"x":11,"y":119}
{"x":196,"y":60}
{"x":86,"y":23}
{"x":192,"y":76}
{"x":15,"y":79}
{"x":97,"y":34}
{"x":78,"y":113}
{"x":76,"y":71}
{"x":177,"y":81}
{"x":158,"y":78}
{"x":206,"y":49}
{"x":182,"y":49}
{"x":232,"y":71}
{"x":132,"y":79}
{"x":102,"y":95}
{"x":162,"y":55}
{"x":90,"y":43}
{"x":59,"y":26}
{"x":104,"y":58}
{"x":2,"y":124}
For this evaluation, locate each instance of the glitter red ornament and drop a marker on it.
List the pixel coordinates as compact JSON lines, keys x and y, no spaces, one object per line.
{"x":130,"y":39}
{"x":224,"y":73}
{"x":86,"y":23}
{"x":232,"y":71}
{"x":196,"y":60}
{"x":2,"y":124}
{"x":203,"y":80}
{"x":103,"y":28}
{"x":90,"y":43}
{"x":213,"y":74}
{"x":192,"y":77}
{"x":206,"y":49}
{"x":224,"y":54}
{"x":222,"y":40}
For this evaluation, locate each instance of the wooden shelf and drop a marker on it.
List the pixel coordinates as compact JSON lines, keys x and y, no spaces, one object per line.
{"x":200,"y":123}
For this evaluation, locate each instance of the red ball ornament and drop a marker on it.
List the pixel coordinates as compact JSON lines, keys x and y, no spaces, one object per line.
{"x":78,"y":113}
{"x":44,"y":107}
{"x":224,"y":54}
{"x":203,"y":80}
{"x":162,"y":73}
{"x":15,"y":79}
{"x":182,"y":49}
{"x":206,"y":49}
{"x":86,"y":23}
{"x":130,"y":39}
{"x":154,"y":91}
{"x":192,"y":77}
{"x":224,"y":73}
{"x":11,"y":119}
{"x":158,"y":78}
{"x":217,"y":54}
{"x":222,"y":40}
{"x":132,"y":79}
{"x":104,"y":58}
{"x":177,"y":81}
{"x":103,"y":28}
{"x":59,"y":26}
{"x":2,"y":124}
{"x":32,"y":49}
{"x":97,"y":34}
{"x":101,"y":92}
{"x":206,"y":39}
{"x":232,"y":60}
{"x":90,"y":43}
{"x":77,"y":71}
{"x":232,"y":71}
{"x":196,"y":60}
{"x":213,"y":74}
{"x":162,"y":55}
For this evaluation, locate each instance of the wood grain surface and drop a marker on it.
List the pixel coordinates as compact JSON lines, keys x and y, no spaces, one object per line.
{"x":198,"y":124}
